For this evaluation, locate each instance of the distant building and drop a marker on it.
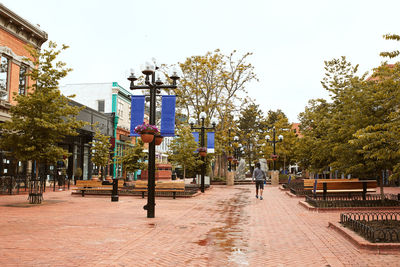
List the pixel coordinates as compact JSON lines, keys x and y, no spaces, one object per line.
{"x":296,"y":129}
{"x":113,"y":98}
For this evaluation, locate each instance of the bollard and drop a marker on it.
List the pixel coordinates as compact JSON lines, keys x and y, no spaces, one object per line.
{"x":114,"y":194}
{"x":364,"y":193}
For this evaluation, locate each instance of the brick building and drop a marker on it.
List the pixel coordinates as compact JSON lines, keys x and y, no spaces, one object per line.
{"x":15,"y":34}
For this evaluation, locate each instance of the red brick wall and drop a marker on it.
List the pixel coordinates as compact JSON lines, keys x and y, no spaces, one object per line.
{"x":15,"y":44}
{"x":19,"y":48}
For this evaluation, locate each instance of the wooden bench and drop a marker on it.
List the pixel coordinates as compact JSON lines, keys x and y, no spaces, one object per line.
{"x":309,"y":183}
{"x":85,"y":185}
{"x":325,"y":186}
{"x":161,"y":186}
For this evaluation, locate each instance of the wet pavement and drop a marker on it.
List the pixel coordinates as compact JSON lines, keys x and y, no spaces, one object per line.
{"x":225,"y":226}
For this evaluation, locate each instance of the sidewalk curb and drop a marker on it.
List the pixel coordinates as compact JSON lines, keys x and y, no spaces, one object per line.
{"x":361,"y":243}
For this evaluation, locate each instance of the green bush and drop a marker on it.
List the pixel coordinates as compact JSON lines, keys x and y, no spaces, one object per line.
{"x":219,"y":179}
{"x":283,"y":178}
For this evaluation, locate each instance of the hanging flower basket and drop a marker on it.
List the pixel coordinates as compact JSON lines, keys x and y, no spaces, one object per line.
{"x":159,"y":140}
{"x":202,"y":151}
{"x":147,"y":137}
{"x":235,"y":161}
{"x":230,"y":158}
{"x":147,"y":132}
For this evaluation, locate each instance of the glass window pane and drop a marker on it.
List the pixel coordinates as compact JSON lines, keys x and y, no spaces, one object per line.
{"x":3,"y":78}
{"x":22,"y":81}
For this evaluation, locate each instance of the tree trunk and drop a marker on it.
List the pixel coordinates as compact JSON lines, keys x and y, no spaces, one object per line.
{"x":381,"y":187}
{"x":219,"y":165}
{"x":184,"y":172}
{"x":35,"y":188}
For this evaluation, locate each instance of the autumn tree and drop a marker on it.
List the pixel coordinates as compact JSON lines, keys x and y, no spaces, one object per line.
{"x":216,"y":84}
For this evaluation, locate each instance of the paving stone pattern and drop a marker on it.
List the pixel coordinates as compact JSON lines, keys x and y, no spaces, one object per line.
{"x":225,"y":226}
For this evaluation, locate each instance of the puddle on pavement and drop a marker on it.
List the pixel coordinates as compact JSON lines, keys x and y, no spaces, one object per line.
{"x":238,"y":257}
{"x":230,"y":237}
{"x":203,"y":242}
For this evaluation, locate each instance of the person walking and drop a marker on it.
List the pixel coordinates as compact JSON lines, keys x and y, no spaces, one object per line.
{"x":259,"y":177}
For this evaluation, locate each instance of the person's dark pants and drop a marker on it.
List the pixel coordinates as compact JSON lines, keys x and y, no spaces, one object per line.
{"x":259,"y":184}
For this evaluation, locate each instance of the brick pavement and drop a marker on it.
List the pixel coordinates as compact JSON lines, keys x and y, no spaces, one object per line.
{"x":226,"y":226}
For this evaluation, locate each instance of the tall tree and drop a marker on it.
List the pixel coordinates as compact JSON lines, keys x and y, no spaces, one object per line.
{"x":101,"y":151}
{"x":133,"y":157}
{"x":182,"y":150}
{"x":251,"y":132}
{"x":286,"y":149}
{"x":43,"y":117}
{"x":215,"y":84}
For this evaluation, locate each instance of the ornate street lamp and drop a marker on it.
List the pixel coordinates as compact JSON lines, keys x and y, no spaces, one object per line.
{"x":274,"y":156}
{"x":153,"y":83}
{"x":202,"y":143}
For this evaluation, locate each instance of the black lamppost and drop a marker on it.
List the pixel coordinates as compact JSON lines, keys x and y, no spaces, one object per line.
{"x":274,"y":141}
{"x":229,"y":152}
{"x":154,"y":85}
{"x":202,"y":143}
{"x":236,"y":149}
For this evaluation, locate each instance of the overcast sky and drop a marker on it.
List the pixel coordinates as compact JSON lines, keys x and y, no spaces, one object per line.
{"x":289,"y":39}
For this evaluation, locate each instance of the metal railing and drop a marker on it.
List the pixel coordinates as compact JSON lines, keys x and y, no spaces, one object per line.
{"x":353,"y":200}
{"x":13,"y":184}
{"x":380,"y":227}
{"x":297,"y":187}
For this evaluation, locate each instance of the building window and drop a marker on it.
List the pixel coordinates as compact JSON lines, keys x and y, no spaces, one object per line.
{"x":22,"y":80}
{"x":4,"y":69}
{"x":100,"y":105}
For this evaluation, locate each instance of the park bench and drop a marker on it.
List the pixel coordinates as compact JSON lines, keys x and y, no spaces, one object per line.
{"x":349,"y":186}
{"x":90,"y":185}
{"x":161,"y":186}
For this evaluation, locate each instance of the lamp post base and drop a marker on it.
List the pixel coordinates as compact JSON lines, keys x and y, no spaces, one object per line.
{"x":274,"y":178}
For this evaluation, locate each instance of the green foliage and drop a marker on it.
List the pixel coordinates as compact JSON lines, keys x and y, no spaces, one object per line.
{"x":286,"y":149}
{"x":78,"y":173}
{"x":213,"y":83}
{"x":101,"y":150}
{"x":133,"y":157}
{"x":182,"y":150}
{"x":250,"y":126}
{"x":42,"y":118}
{"x":358,"y":132}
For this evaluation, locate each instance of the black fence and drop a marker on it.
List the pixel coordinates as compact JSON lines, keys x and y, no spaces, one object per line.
{"x":13,"y":184}
{"x":297,"y":187}
{"x":354,"y":200}
{"x":382,"y":227}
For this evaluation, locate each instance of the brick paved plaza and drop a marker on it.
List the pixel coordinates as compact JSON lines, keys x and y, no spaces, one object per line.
{"x":225,"y":226}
